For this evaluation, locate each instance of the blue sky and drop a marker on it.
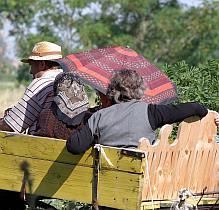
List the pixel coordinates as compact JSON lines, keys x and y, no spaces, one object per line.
{"x":191,"y":2}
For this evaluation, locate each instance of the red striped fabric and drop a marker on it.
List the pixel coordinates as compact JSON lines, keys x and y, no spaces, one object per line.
{"x":97,"y":66}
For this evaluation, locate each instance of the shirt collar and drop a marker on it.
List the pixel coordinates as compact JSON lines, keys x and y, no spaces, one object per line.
{"x":51,"y":73}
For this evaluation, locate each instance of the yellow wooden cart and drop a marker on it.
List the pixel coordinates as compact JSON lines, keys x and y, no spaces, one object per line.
{"x":148,"y":178}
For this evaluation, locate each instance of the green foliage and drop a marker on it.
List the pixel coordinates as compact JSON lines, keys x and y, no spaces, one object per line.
{"x":92,"y":96}
{"x":163,"y":31}
{"x":65,"y":205}
{"x":23,"y":75}
{"x":7,"y":71}
{"x":20,"y":14}
{"x":196,"y":83}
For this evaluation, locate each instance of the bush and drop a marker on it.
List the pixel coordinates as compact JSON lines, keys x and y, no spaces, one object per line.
{"x":196,"y":83}
{"x":23,"y":74}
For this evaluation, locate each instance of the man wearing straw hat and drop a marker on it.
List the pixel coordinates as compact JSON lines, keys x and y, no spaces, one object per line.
{"x":39,"y":94}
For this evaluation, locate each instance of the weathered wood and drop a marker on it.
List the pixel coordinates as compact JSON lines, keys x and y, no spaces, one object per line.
{"x":55,"y":150}
{"x":167,"y":203}
{"x":191,"y":162}
{"x":51,"y":171}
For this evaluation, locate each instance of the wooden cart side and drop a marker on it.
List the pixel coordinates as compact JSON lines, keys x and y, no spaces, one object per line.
{"x":191,"y":161}
{"x":45,"y":168}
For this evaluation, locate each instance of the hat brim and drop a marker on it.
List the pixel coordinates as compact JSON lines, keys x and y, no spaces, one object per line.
{"x":25,"y":60}
{"x":41,"y":58}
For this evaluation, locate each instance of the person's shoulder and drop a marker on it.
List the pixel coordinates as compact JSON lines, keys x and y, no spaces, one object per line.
{"x":35,"y":82}
{"x":31,"y":87}
{"x":135,"y":103}
{"x":101,"y":112}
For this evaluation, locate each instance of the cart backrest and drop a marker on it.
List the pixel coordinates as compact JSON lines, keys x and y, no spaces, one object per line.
{"x":191,"y":161}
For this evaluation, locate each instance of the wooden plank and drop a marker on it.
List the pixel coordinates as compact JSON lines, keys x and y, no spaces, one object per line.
{"x":163,"y":174}
{"x":143,"y":145}
{"x":168,"y":203}
{"x":47,"y":178}
{"x":192,"y":161}
{"x":52,"y":172}
{"x":55,"y":150}
{"x":111,"y":186}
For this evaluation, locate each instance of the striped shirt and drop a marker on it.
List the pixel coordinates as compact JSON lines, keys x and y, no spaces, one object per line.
{"x":37,"y":97}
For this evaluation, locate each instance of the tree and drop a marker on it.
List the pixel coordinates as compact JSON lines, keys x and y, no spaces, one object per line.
{"x":163,"y":31}
{"x":6,"y":67}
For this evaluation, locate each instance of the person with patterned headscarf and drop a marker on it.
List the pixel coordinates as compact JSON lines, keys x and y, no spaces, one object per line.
{"x":69,"y":109}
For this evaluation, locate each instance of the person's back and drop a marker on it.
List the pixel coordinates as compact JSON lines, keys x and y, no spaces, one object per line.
{"x":120,"y":124}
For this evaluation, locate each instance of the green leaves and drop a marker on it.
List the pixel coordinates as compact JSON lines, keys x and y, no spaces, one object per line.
{"x":162,"y":31}
{"x":196,"y":83}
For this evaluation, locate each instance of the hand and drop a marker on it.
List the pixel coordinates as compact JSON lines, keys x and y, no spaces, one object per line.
{"x":6,"y":111}
{"x":217,"y":119}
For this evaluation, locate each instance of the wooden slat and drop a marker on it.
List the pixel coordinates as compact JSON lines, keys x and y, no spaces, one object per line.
{"x":113,"y":184}
{"x":192,"y":161}
{"x":55,"y":150}
{"x":48,"y":178}
{"x":53,"y":172}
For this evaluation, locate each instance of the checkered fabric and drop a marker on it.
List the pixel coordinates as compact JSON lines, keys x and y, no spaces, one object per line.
{"x":96,"y":67}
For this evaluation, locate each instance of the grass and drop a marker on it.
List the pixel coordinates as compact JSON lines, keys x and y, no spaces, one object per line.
{"x":9,"y":94}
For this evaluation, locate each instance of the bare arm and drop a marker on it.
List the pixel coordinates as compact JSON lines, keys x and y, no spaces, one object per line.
{"x":217,"y":120}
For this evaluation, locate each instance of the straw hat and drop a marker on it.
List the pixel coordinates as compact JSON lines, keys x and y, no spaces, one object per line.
{"x":44,"y":51}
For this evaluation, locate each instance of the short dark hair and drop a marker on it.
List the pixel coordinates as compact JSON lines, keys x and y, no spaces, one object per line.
{"x":52,"y":64}
{"x":125,"y":85}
